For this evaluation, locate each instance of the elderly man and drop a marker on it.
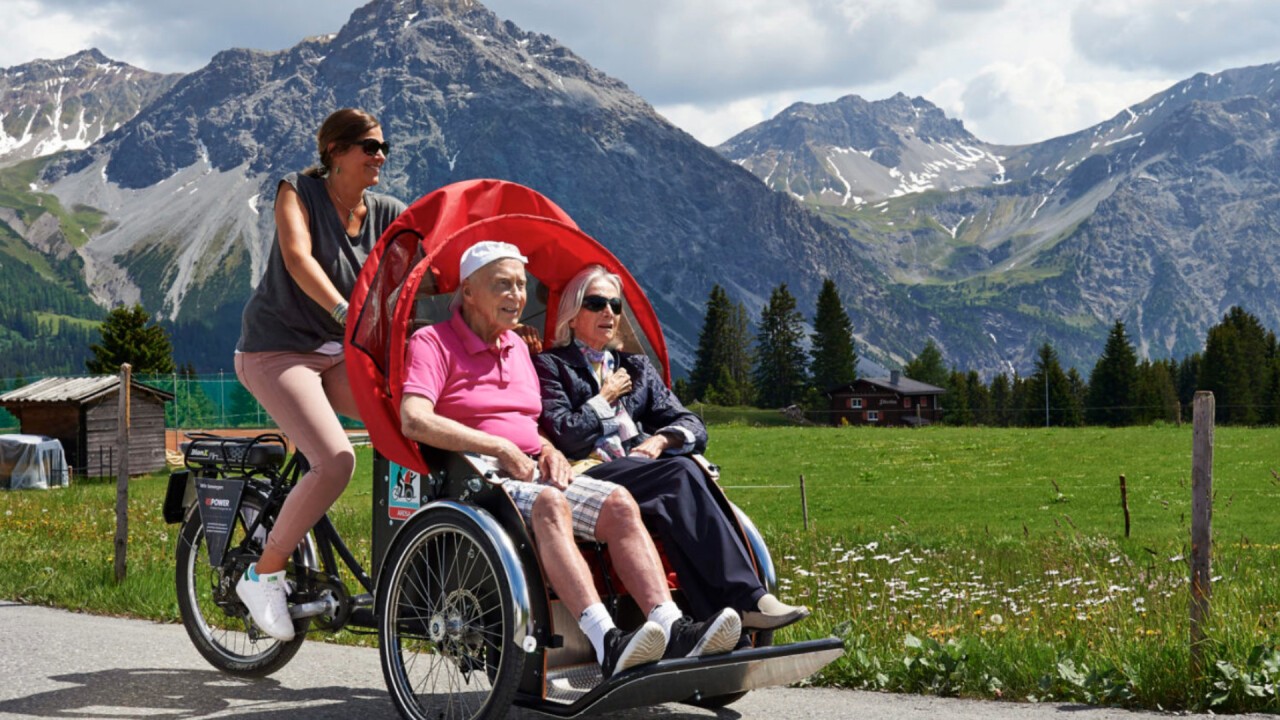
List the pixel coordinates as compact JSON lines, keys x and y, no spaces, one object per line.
{"x":471,"y":387}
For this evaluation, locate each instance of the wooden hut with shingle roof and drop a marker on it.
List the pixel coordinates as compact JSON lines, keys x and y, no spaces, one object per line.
{"x":83,"y":413}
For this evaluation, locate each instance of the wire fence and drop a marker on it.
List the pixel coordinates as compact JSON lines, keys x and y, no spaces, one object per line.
{"x":200,"y":402}
{"x":218,"y":400}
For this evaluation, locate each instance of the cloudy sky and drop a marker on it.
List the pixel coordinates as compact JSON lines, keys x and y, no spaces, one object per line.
{"x":1013,"y":70}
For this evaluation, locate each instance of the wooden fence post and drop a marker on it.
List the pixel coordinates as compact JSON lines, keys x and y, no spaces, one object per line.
{"x":1124,"y":503}
{"x":122,"y":478}
{"x":804,"y":503}
{"x":1201,"y":524}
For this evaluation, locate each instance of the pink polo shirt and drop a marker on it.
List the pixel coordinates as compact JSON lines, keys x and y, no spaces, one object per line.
{"x":487,"y":388}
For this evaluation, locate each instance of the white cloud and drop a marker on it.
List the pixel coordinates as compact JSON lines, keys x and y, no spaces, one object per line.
{"x":713,"y":51}
{"x":713,"y":123}
{"x":1014,"y":72}
{"x":1035,"y":101}
{"x":161,"y":35}
{"x":1177,"y":36}
{"x":31,"y":31}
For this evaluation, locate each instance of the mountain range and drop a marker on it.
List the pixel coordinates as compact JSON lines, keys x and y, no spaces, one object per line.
{"x":1160,"y":216}
{"x":1163,"y":216}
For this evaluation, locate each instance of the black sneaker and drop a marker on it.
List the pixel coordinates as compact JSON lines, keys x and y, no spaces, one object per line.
{"x":718,"y":635}
{"x":625,"y":650}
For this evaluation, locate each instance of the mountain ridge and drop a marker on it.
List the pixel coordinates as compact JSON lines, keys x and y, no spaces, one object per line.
{"x":988,"y":249}
{"x":69,"y":103}
{"x":462,"y":94}
{"x":1118,"y":221}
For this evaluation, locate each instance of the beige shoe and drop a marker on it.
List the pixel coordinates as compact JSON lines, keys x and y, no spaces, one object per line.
{"x":771,"y":614}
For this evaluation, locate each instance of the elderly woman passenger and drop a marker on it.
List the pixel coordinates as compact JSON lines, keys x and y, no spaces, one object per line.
{"x":470,"y":387}
{"x":611,"y":410}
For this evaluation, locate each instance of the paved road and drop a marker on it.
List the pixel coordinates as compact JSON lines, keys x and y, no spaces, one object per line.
{"x":57,"y":664}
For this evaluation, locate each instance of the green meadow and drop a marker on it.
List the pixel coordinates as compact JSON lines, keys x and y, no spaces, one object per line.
{"x":959,"y":561}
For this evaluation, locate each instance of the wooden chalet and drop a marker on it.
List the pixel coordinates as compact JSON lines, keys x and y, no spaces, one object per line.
{"x":894,"y":400}
{"x":83,"y":413}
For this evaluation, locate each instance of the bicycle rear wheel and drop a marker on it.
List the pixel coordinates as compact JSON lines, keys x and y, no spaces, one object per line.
{"x":216,"y":621}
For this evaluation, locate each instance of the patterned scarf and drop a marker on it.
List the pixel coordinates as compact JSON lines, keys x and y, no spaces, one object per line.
{"x":610,"y":446}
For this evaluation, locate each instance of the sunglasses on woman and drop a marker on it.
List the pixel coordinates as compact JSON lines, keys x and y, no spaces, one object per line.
{"x":597,"y":303}
{"x":371,"y":147}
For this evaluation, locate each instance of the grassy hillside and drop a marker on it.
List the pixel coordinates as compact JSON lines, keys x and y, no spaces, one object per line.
{"x":47,"y":317}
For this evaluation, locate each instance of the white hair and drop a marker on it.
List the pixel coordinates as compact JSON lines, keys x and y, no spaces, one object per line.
{"x":571,"y":302}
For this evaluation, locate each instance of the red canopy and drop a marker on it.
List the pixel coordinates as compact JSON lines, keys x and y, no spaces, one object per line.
{"x":421,"y":251}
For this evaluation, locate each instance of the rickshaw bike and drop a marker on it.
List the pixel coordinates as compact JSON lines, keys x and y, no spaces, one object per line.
{"x":466,"y":625}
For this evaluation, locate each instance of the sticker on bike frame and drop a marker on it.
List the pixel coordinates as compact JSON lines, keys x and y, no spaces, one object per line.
{"x":404,"y":491}
{"x":218,"y":500}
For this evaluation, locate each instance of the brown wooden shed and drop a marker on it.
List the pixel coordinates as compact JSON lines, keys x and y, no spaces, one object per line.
{"x":83,"y":413}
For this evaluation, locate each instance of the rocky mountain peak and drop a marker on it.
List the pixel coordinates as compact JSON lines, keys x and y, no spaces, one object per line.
{"x":853,"y":151}
{"x":69,"y":103}
{"x":189,"y":182}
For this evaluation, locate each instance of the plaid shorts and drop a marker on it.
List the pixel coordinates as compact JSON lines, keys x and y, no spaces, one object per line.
{"x":586,"y":495}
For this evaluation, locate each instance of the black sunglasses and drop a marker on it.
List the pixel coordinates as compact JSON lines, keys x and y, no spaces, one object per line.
{"x":371,"y":147}
{"x":597,"y":303}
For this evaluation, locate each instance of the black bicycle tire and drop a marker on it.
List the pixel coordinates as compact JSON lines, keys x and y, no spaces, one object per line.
{"x":189,"y":560}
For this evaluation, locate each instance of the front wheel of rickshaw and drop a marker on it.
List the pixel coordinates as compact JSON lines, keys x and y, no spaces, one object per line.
{"x":445,"y":621}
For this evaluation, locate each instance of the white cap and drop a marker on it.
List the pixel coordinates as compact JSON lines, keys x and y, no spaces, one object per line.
{"x":485,"y":252}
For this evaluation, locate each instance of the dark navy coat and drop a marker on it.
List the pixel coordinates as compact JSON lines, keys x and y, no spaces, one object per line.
{"x":574,"y":427}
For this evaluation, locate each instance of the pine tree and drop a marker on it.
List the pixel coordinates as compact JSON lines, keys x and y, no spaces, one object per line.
{"x":834,"y":357}
{"x":711,"y":344}
{"x":1113,"y":382}
{"x":127,"y":338}
{"x":1155,"y":396}
{"x":1018,"y":402}
{"x":1272,"y":402}
{"x":928,"y":366}
{"x":1188,"y":378}
{"x":979,"y":399}
{"x":1234,"y":366}
{"x":956,"y":409}
{"x":1001,"y":401}
{"x":738,"y":357}
{"x":1077,"y":389}
{"x":1054,"y":405}
{"x":780,"y":358}
{"x":681,"y":388}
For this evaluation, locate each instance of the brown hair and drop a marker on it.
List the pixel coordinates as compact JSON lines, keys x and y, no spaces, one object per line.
{"x":341,"y":129}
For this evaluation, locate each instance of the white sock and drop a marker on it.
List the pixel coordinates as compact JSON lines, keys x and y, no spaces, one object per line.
{"x":595,"y":622}
{"x":666,"y":614}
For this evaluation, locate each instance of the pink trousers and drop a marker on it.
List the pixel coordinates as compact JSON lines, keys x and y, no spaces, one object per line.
{"x":301,"y":392}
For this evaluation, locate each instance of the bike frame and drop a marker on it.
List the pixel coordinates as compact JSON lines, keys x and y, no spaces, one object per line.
{"x":274,"y":485}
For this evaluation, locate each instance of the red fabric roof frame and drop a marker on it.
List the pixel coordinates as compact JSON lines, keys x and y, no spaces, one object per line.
{"x":427,"y":240}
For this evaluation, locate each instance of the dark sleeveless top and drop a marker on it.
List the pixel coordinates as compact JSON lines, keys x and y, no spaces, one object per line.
{"x":279,"y":316}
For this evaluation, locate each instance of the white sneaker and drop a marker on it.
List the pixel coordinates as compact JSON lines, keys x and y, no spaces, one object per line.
{"x":265,"y":599}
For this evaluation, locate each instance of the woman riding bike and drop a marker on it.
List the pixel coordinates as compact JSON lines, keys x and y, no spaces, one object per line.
{"x":290,"y":354}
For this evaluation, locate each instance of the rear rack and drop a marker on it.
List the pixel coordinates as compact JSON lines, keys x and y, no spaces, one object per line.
{"x":233,"y":455}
